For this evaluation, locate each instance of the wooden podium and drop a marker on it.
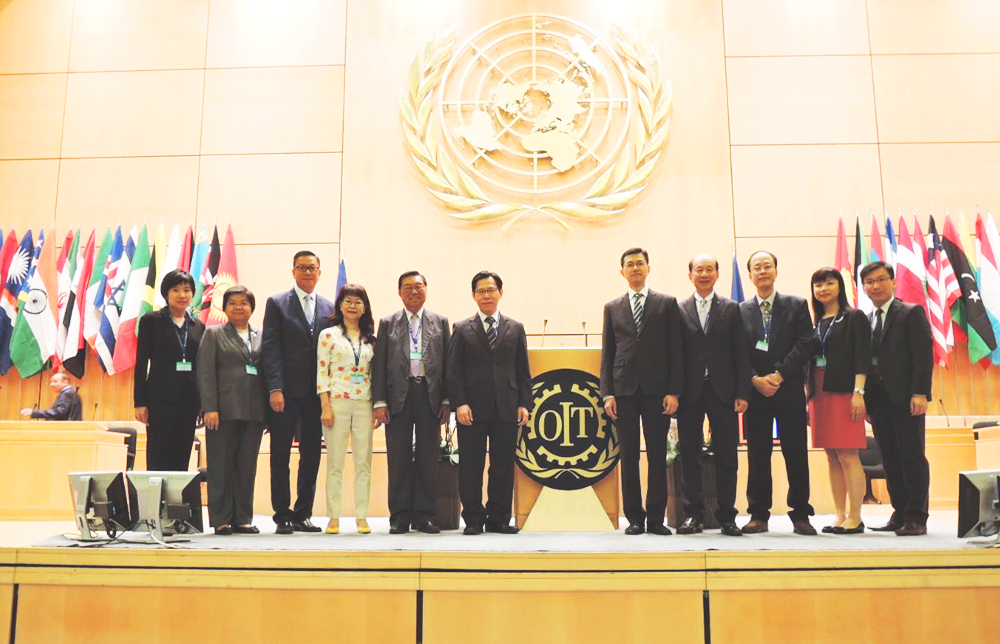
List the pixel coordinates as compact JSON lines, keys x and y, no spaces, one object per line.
{"x":544,"y":509}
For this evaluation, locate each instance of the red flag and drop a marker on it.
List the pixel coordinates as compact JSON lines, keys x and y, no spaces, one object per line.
{"x":184,"y":263}
{"x":909,"y":269}
{"x":225,"y":277}
{"x":74,"y":355}
{"x":6,"y":254}
{"x":842,"y":263}
{"x":875,"y":237}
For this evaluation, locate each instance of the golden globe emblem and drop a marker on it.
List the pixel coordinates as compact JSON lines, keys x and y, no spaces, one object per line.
{"x":535,"y":113}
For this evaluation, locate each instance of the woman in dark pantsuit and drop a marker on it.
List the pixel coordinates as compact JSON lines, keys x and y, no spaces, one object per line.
{"x":234,"y":401}
{"x":165,"y":391}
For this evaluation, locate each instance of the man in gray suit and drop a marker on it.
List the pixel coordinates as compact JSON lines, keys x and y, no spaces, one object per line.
{"x":408,"y":390}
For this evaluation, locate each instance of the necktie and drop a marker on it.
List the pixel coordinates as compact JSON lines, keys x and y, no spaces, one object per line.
{"x":414,"y":344}
{"x":765,"y":312}
{"x":877,"y":333}
{"x":703,"y":313}
{"x":310,"y":314}
{"x":491,"y":333}
{"x":637,"y":310}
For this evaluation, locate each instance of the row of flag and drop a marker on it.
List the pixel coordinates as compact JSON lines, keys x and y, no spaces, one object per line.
{"x":93,"y":294}
{"x":953,"y":275}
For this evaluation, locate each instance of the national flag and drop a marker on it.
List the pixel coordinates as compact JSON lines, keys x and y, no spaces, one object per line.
{"x":17,"y":277}
{"x":950,"y":291}
{"x":842,"y":262}
{"x":198,"y":258}
{"x":65,"y":268}
{"x":33,"y":340}
{"x":74,"y":356}
{"x":891,"y":242}
{"x":989,"y":277}
{"x":7,"y":252}
{"x":160,"y":255}
{"x":107,"y":304}
{"x":187,"y":246}
{"x":226,"y":277}
{"x":969,"y":311}
{"x":135,"y":299}
{"x":909,"y":271}
{"x":95,"y":289}
{"x":735,"y":294}
{"x":341,"y":274}
{"x":937,"y":311}
{"x":875,"y":251}
{"x":115,"y":303}
{"x":170,"y":261}
{"x":208,"y":273}
{"x":861,"y":259}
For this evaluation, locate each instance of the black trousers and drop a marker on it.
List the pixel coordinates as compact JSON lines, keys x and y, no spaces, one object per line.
{"x":170,"y":435}
{"x":789,"y":409}
{"x":472,"y":444}
{"x":411,"y":473}
{"x":900,"y":439}
{"x":232,"y":451}
{"x":654,"y":428}
{"x":722,"y":419}
{"x":301,"y":413}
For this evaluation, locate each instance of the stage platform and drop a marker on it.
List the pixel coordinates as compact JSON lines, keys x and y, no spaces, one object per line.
{"x":531,"y":587}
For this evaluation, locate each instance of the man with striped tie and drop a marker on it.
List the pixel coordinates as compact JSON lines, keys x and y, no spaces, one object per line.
{"x":489,"y":386}
{"x":642,"y":376}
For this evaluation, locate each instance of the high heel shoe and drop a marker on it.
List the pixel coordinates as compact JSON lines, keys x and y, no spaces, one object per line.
{"x":333,"y":527}
{"x":363,"y":527}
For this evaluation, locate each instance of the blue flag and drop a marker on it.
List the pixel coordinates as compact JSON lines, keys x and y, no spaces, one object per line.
{"x":737,"y":293}
{"x":341,"y":275}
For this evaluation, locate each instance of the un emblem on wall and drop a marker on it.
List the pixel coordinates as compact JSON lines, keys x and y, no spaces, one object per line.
{"x":569,"y":443}
{"x":535,"y":114}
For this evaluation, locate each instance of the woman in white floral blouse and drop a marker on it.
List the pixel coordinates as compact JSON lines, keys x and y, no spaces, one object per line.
{"x":343,"y":381}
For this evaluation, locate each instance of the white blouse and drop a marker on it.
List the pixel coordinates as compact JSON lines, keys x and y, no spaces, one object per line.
{"x":336,"y":371}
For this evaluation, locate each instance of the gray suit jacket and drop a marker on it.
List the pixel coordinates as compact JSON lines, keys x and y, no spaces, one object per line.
{"x":223,"y":381}
{"x":391,"y":365}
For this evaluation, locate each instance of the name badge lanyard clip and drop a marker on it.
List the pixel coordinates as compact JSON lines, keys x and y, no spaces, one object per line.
{"x":183,"y":365}
{"x":823,"y":337}
{"x":416,"y":351}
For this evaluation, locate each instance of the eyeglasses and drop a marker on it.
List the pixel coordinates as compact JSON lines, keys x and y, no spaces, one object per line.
{"x":353,"y":303}
{"x":487,"y":291}
{"x":877,"y":280}
{"x":410,"y":288}
{"x":307,"y":269}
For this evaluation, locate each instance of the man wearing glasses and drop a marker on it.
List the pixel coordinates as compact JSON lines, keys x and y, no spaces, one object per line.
{"x":489,"y":385}
{"x":292,"y":323}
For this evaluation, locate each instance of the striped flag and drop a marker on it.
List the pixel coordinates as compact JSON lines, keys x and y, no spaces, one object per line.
{"x":989,"y":275}
{"x":909,"y":270}
{"x":875,"y":250}
{"x":937,"y":313}
{"x":208,"y":272}
{"x":861,"y":258}
{"x":91,"y":314}
{"x":198,"y":258}
{"x":106,"y":303}
{"x":891,"y":242}
{"x":968,"y":311}
{"x":842,"y":262}
{"x":17,"y":277}
{"x":132,"y":310}
{"x":33,"y":340}
{"x":65,"y":268}
{"x":74,"y":355}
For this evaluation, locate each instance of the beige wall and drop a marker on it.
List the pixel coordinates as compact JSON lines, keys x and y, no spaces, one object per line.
{"x":282,"y":117}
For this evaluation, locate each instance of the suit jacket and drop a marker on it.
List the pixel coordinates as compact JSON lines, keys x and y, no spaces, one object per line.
{"x":647,"y":359}
{"x":67,"y":406}
{"x":906,"y":353}
{"x":790,"y":346}
{"x":223,"y":381}
{"x":721,"y":347}
{"x":848,"y":353}
{"x":484,"y":379}
{"x":157,"y":353}
{"x":288,"y":348}
{"x":391,"y":365}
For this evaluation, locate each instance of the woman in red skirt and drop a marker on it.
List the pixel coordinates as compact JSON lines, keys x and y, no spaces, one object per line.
{"x":841,"y":360}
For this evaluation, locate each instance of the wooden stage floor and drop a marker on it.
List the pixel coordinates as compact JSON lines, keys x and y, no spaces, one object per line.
{"x":554,"y":587}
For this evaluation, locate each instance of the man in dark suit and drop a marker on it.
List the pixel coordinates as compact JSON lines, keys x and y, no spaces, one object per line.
{"x":292,"y":323}
{"x":489,"y":385}
{"x":642,"y":376}
{"x":408,"y":390}
{"x":67,"y":406}
{"x":717,"y":384}
{"x":780,"y":334}
{"x":898,"y":388}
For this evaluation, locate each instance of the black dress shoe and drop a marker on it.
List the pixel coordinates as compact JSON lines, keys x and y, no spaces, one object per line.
{"x":634,"y":529}
{"x":224,"y":531}
{"x":911,"y":529}
{"x":691,"y":526}
{"x":730,"y":529}
{"x":426,"y":527}
{"x":305,"y":525}
{"x":503,"y":529}
{"x":891,"y":526}
{"x":245,"y":529}
{"x":283,"y":527}
{"x":659,"y":529}
{"x":756,"y":526}
{"x":473,"y":529}
{"x":830,"y":529}
{"x":858,"y":529}
{"x":803,"y":527}
{"x":398,"y":528}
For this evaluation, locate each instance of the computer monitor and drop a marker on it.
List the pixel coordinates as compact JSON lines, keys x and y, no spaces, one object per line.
{"x":978,"y":503}
{"x":168,"y":502}
{"x":101,"y":501}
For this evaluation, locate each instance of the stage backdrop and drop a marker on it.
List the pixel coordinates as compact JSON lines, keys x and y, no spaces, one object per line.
{"x":283,"y":119}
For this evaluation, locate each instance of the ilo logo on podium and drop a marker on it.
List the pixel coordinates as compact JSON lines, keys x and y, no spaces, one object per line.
{"x":569,"y":443}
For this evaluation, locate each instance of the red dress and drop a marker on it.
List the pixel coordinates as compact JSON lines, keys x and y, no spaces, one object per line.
{"x":830,"y":418}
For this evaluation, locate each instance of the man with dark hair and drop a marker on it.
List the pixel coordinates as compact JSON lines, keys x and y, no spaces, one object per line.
{"x":716,"y":384}
{"x":489,"y":385}
{"x":292,"y":323}
{"x":898,"y":389}
{"x":779,"y":333}
{"x":67,"y":406}
{"x":408,"y":390}
{"x":642,"y":376}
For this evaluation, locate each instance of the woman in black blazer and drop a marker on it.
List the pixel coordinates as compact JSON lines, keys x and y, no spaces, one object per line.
{"x":165,"y":388}
{"x":842,"y":357}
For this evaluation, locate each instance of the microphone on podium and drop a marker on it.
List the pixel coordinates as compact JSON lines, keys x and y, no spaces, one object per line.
{"x":545,"y":324}
{"x":584,"y":324}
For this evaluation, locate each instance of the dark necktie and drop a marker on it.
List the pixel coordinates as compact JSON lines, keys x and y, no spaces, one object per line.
{"x":491,"y":333}
{"x":637,"y":310}
{"x":877,"y":333}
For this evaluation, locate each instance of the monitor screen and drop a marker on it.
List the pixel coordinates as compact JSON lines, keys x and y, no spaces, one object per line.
{"x":978,"y":514}
{"x":168,"y":502}
{"x":101,"y":501}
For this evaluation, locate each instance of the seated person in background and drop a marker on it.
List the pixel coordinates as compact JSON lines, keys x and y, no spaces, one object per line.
{"x":67,"y":406}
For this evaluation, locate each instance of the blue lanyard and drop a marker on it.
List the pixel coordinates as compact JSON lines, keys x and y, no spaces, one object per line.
{"x":767,"y":325}
{"x":182,"y":341}
{"x":357,"y":352}
{"x":823,"y":336}
{"x":415,"y":337}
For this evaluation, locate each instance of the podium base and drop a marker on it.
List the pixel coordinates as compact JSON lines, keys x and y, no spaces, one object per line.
{"x":568,"y":511}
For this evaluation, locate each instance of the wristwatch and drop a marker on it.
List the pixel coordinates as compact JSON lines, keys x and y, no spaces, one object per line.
{"x":859,"y":390}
